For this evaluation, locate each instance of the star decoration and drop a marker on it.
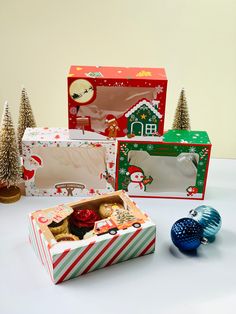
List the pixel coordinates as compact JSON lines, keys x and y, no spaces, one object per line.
{"x":143,"y":116}
{"x":144,"y":73}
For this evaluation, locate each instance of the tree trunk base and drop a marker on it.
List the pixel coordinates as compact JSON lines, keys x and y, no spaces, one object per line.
{"x":9,"y":194}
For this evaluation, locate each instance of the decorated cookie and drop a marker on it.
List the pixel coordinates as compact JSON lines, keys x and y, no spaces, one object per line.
{"x":66,"y":237}
{"x":60,"y":227}
{"x":106,"y":209}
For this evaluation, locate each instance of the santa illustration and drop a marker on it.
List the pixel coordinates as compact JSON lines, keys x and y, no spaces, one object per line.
{"x":138,"y":181}
{"x":191,"y":190}
{"x":34,"y":163}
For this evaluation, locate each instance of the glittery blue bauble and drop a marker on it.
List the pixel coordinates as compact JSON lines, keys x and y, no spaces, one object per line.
{"x":209,"y":219}
{"x":187,"y":234}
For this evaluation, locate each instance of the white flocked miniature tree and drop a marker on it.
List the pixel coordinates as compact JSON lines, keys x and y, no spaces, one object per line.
{"x":26,"y":117}
{"x":181,"y":119}
{"x":10,"y":166}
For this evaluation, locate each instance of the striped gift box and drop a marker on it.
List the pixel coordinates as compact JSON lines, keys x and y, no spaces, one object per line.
{"x":69,"y":259}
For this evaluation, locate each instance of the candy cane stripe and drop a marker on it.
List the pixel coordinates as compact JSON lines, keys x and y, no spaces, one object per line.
{"x":49,"y":252}
{"x":140,"y":241}
{"x":151,"y":249}
{"x":148,"y":247}
{"x":123,"y":247}
{"x":45,"y":256}
{"x":140,"y":247}
{"x":75,"y":262}
{"x":32,"y":239}
{"x":87,"y":259}
{"x":60,"y":258}
{"x":114,"y":248}
{"x":100,"y":254}
{"x":40,"y":255}
{"x":68,"y":260}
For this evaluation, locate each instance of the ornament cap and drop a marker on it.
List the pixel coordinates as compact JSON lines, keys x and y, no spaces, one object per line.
{"x":204,"y":241}
{"x":193,"y":212}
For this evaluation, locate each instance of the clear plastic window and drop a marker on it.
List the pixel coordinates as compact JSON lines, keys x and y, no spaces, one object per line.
{"x":113,"y":101}
{"x":169,"y":173}
{"x":82,"y":165}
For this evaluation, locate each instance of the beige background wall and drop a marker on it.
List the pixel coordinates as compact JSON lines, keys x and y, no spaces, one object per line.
{"x":194,"y":40}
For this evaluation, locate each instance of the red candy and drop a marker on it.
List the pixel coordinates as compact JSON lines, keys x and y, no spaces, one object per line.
{"x":84,"y":218}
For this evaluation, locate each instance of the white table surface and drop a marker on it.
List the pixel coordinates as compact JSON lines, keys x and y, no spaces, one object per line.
{"x":164,"y":282}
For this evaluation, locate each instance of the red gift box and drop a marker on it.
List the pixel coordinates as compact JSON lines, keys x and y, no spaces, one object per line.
{"x":111,"y":102}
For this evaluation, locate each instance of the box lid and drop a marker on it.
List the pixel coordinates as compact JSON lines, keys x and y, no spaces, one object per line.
{"x":186,"y":136}
{"x":46,"y":134}
{"x":57,"y":135}
{"x":97,"y":72}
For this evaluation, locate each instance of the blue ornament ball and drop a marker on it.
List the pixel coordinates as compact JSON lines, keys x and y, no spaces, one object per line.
{"x":187,"y":234}
{"x":208,"y":218}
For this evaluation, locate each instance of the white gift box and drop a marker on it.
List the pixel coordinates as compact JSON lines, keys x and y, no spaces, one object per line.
{"x":55,"y":165}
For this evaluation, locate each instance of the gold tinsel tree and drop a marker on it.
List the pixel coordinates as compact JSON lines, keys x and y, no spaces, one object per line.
{"x":26,"y":117}
{"x":10,"y":166}
{"x":181,"y":119}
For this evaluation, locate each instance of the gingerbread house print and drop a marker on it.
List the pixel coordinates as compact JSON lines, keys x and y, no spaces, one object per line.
{"x":143,"y":118}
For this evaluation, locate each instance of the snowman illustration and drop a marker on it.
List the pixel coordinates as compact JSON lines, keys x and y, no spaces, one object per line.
{"x":34,"y":163}
{"x":138,"y":181}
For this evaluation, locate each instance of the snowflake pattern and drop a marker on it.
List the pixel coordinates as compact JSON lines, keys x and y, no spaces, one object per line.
{"x":192,"y":149}
{"x":135,"y":145}
{"x":200,"y":183}
{"x":122,"y":171}
{"x":158,"y":90}
{"x":150,"y":147}
{"x":122,"y":158}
